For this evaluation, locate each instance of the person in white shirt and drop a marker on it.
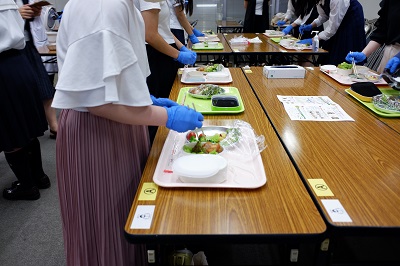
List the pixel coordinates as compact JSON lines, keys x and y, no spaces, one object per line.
{"x":164,"y":50}
{"x":102,"y":141}
{"x":294,"y":26}
{"x":345,"y":29}
{"x":179,"y":23}
{"x":22,"y":116}
{"x":29,"y":14}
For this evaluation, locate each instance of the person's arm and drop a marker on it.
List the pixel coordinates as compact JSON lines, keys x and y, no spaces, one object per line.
{"x":180,"y":14}
{"x":178,"y":43}
{"x":371,"y":47}
{"x":289,"y":12}
{"x":245,"y":4}
{"x":152,"y":36}
{"x":338,"y":11}
{"x":144,"y":115}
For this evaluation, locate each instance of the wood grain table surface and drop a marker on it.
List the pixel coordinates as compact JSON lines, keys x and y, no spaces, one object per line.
{"x":391,"y":122}
{"x":280,"y":208}
{"x":359,"y":161}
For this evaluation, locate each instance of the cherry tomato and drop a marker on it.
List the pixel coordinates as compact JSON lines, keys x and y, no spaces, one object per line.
{"x":191,"y":136}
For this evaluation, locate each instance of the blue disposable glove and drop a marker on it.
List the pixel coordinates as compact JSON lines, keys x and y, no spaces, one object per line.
{"x":165,"y":102}
{"x":193,"y":39}
{"x":304,"y":28}
{"x":287,"y":30}
{"x":182,"y":118}
{"x":184,"y":49}
{"x":305,"y":41}
{"x":281,"y":23}
{"x":198,"y":33}
{"x":393,"y":64}
{"x":356,"y":56}
{"x":187,"y":58}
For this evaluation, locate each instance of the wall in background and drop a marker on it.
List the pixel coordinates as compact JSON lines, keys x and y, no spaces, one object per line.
{"x":235,"y":11}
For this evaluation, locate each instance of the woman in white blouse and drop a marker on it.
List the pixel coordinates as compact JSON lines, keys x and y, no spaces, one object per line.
{"x":344,"y":31}
{"x":102,"y":142}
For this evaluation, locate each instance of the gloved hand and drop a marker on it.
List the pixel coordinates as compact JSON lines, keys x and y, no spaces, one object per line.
{"x":287,"y":30}
{"x":182,"y":118}
{"x":187,"y":58}
{"x":304,"y":28}
{"x":393,"y":64}
{"x":165,"y":102}
{"x":356,"y":56}
{"x":305,"y":41}
{"x":184,"y":49}
{"x":281,"y":23}
{"x":198,"y":33}
{"x":193,"y":38}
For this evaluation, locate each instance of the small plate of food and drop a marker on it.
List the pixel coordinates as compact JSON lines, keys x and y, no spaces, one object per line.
{"x":205,"y":91}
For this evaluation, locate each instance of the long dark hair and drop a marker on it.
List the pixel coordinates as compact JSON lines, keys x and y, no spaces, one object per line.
{"x":189,"y":7}
{"x":303,"y":7}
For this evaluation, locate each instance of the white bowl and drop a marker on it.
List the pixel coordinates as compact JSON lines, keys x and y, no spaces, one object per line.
{"x":217,"y":76}
{"x":200,"y":168}
{"x":362,"y":69}
{"x":329,"y":68}
{"x":344,"y":72}
{"x":212,"y":44}
{"x":51,"y":36}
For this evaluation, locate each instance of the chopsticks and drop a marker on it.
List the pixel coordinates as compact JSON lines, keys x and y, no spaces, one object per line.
{"x":194,"y":107}
{"x":354,"y":67}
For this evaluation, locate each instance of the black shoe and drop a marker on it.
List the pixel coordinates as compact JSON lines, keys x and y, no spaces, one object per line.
{"x":21,"y":192}
{"x":42,"y":183}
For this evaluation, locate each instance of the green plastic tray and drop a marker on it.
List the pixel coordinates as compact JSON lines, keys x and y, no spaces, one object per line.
{"x":370,"y":105}
{"x":204,"y":105}
{"x":219,"y":47}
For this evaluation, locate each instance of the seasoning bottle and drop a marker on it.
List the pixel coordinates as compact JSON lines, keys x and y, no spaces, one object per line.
{"x":315,"y":41}
{"x":206,"y":41}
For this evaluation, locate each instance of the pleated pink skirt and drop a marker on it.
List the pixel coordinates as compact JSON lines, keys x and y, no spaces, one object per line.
{"x":99,"y":165}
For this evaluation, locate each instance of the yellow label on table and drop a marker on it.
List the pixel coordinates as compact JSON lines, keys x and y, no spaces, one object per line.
{"x":248,"y":71}
{"x":320,"y":187}
{"x":149,"y":191}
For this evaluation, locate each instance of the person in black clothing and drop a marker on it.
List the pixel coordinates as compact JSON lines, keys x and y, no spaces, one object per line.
{"x":22,"y":116}
{"x":387,"y":32}
{"x":256,"y":18}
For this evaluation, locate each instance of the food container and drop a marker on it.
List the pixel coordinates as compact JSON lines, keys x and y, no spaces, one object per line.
{"x":201,"y":168}
{"x":287,"y":42}
{"x":344,"y":72}
{"x":329,"y":68}
{"x":51,"y":36}
{"x":217,"y":76}
{"x":362,"y":69}
{"x":212,"y":44}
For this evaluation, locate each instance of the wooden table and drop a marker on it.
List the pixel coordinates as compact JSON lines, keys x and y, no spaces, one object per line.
{"x":301,"y":55}
{"x":394,"y":123}
{"x":359,"y":161}
{"x":228,"y":26}
{"x":273,"y":53}
{"x":280,"y":210}
{"x":51,"y":55}
{"x":216,"y":55}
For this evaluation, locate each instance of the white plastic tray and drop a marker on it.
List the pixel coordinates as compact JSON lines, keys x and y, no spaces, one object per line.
{"x":346,"y":80}
{"x":210,"y":39}
{"x":184,"y":77}
{"x":243,"y":171}
{"x":273,"y":33}
{"x":287,"y":47}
